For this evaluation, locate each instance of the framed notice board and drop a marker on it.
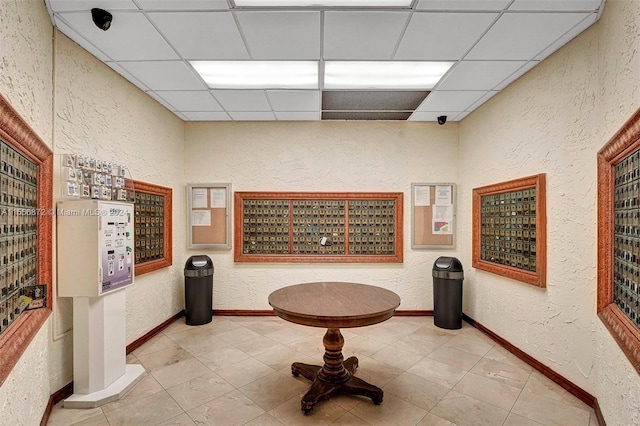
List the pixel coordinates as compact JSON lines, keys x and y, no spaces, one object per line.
{"x":509,"y":229}
{"x":209,"y":215}
{"x":318,"y":227}
{"x":433,"y":211}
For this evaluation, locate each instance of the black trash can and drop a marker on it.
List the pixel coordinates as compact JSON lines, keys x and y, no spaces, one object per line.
{"x":447,"y":293}
{"x":198,"y":290}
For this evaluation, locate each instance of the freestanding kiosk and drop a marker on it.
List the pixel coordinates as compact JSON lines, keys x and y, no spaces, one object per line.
{"x":95,"y":265}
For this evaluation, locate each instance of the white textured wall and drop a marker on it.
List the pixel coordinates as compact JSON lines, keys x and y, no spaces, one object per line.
{"x":554,"y":120}
{"x":100,"y":114}
{"x":321,"y":157}
{"x":25,"y":80}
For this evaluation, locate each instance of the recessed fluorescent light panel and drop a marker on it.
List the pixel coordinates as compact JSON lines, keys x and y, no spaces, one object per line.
{"x":323,"y":3}
{"x":383,"y":75}
{"x":258,"y":74}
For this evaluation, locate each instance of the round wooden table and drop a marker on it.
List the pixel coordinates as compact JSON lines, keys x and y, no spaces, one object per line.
{"x":334,"y":305}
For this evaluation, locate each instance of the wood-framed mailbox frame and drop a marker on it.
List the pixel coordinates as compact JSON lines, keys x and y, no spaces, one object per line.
{"x":209,"y":216}
{"x":136,"y":189}
{"x":426,"y":232}
{"x":620,"y":147}
{"x":537,"y":183}
{"x":344,"y":235}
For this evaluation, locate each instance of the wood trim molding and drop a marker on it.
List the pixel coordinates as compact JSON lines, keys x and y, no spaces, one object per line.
{"x":167,"y":193}
{"x":15,"y":131}
{"x":569,"y":386}
{"x":154,"y":331}
{"x":624,"y":331}
{"x":537,"y":278}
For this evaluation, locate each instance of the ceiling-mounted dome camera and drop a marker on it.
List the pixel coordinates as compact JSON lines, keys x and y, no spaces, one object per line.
{"x":101,"y":18}
{"x":442,"y":119}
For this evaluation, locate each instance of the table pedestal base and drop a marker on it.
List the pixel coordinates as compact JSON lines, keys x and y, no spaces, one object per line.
{"x":335,"y":376}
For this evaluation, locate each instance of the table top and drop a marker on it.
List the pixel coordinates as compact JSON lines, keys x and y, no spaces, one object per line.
{"x":334,"y":304}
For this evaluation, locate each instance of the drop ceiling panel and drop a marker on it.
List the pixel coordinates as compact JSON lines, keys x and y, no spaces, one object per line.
{"x":294,"y":100}
{"x":190,"y":101}
{"x":297,"y":115}
{"x":183,"y":4}
{"x":458,"y":5}
{"x":126,"y":74}
{"x":513,"y":77}
{"x":372,"y":100}
{"x":71,"y":5}
{"x":281,"y":35}
{"x":242,"y":100}
{"x":479,"y":75}
{"x":73,"y":35}
{"x":252,"y":116}
{"x":131,"y":36}
{"x":433,"y":115}
{"x":555,"y":5}
{"x":362,"y":35}
{"x":523,"y":36}
{"x":201,"y":36}
{"x":207,"y":116}
{"x":449,"y":100}
{"x":162,"y":101}
{"x":490,"y":94}
{"x":583,"y":25}
{"x":164,"y":75}
{"x":442,"y":36}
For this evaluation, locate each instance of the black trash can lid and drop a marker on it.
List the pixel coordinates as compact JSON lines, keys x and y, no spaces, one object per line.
{"x":198,"y":266}
{"x":448,"y":267}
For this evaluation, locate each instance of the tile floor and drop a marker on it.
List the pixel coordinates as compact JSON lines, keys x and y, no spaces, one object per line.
{"x":236,"y":371}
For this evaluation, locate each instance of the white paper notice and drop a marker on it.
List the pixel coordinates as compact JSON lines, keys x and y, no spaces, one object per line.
{"x":200,"y":218}
{"x":421,"y":195}
{"x":218,"y":198}
{"x":443,"y":195}
{"x":199,"y":198}
{"x":443,"y":219}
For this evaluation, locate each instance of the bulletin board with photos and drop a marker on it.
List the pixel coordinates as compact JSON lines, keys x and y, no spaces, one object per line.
{"x":509,"y":229}
{"x":433,"y":215}
{"x":153,"y":206}
{"x":318,"y":227}
{"x":209,"y":215}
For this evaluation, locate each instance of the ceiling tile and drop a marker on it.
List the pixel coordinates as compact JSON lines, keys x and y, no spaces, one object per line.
{"x":161,"y":101}
{"x":73,"y":35}
{"x":483,"y":99}
{"x":164,"y":75}
{"x":458,"y":5}
{"x":513,"y":77}
{"x":190,"y":100}
{"x":479,"y":75}
{"x":362,"y":35}
{"x":523,"y":35}
{"x":206,"y":116}
{"x":131,"y":36}
{"x":555,"y":5}
{"x":433,"y":115}
{"x":252,"y":116}
{"x":242,"y":100}
{"x":586,"y":23}
{"x":110,"y":5}
{"x":183,"y":4}
{"x":442,"y":36}
{"x":180,"y":115}
{"x":117,"y":68}
{"x":449,"y":100}
{"x":372,"y":100}
{"x":297,"y":115}
{"x":281,"y":35}
{"x":201,"y":36}
{"x":294,"y":100}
